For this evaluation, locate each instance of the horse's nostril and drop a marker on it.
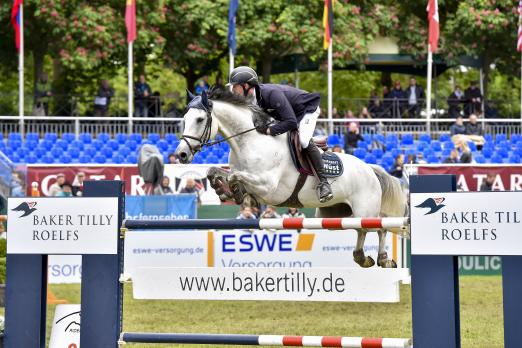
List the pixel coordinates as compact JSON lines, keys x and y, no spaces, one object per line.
{"x":183,"y":155}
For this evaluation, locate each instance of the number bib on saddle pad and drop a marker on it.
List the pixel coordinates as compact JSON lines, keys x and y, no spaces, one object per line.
{"x":333,"y":166}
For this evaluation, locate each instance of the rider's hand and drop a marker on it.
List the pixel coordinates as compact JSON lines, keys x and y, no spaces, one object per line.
{"x":262,"y":129}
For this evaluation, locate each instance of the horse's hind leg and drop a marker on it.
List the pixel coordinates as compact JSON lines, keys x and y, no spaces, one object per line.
{"x":358,"y":253}
{"x":383,"y":259}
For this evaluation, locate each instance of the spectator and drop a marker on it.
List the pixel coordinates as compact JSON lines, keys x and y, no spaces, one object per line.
{"x":414,"y":94}
{"x":164,"y":187}
{"x":375,"y":106}
{"x":42,"y":95}
{"x":66,"y":190}
{"x":191,"y":187}
{"x":398,"y":97}
{"x":142,"y":92}
{"x":387,"y":103}
{"x":173,"y":159}
{"x":487,"y":185}
{"x":270,"y":213}
{"x":412,"y":158}
{"x":337,"y":149}
{"x":155,"y":105}
{"x":396,"y":169}
{"x":465,"y":152}
{"x":293,"y":213}
{"x":245,"y":213}
{"x":335,"y":113}
{"x":365,"y":113}
{"x":454,"y":101}
{"x":453,"y":157}
{"x":77,"y":185}
{"x":473,"y":98}
{"x":103,"y":99}
{"x":56,"y":189}
{"x":219,"y":83}
{"x":473,"y":127}
{"x":351,"y":138}
{"x":490,"y":110}
{"x":458,"y":127}
{"x":420,"y":158}
{"x":202,"y":85}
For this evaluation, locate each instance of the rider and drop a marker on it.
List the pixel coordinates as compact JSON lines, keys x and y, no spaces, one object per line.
{"x":293,"y":108}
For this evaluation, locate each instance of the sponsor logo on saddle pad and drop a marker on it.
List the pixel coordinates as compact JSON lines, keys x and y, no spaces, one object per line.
{"x":333,"y":167}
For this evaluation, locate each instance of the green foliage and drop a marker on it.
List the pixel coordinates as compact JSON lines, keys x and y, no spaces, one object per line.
{"x":2,"y":270}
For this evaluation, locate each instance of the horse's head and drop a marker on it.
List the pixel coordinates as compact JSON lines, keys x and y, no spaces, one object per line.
{"x":199,"y":127}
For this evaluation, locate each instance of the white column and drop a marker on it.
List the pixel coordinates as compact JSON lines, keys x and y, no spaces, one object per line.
{"x":130,"y":87}
{"x":428,"y":90}
{"x":330,"y":88}
{"x":21,"y":73}
{"x":230,"y":61}
{"x":482,"y":92}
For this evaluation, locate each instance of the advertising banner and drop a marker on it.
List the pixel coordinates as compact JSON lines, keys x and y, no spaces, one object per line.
{"x":62,"y":225}
{"x":65,"y":331}
{"x":466,"y":223}
{"x":271,"y":284}
{"x":179,"y":173}
{"x":168,"y":207}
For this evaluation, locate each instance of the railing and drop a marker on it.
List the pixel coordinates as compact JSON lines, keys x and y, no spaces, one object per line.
{"x":113,"y":125}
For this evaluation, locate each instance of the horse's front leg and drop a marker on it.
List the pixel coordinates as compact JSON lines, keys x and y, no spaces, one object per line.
{"x":255,"y":184}
{"x":358,"y":253}
{"x":383,"y":259}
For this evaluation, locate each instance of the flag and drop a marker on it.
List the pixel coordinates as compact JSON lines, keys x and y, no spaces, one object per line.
{"x":519,"y":41}
{"x":130,"y":20}
{"x":232,"y":10}
{"x":433,"y":19}
{"x":327,"y":23}
{"x":15,"y":21}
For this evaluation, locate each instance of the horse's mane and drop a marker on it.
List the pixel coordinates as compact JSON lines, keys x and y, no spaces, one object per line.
{"x":260,"y":117}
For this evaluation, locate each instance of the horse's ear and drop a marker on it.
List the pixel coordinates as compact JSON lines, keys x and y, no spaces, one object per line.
{"x":190,"y":96}
{"x":204,"y":99}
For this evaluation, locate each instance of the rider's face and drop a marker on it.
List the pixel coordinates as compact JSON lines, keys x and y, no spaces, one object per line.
{"x":240,"y":89}
{"x":237,"y":89}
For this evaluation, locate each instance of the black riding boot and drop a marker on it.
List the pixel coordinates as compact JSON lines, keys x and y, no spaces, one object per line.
{"x":325,"y":191}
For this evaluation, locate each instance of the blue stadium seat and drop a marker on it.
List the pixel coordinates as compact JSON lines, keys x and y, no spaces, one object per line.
{"x":395,"y":152}
{"x":359,"y":153}
{"x":170,"y":138}
{"x":436,"y":145}
{"x":76,"y":144}
{"x":500,"y":137}
{"x":333,"y":139}
{"x":14,"y":144}
{"x":31,"y":144}
{"x":98,"y":144}
{"x":90,"y":151}
{"x":51,"y":137}
{"x":15,"y":159}
{"x":448,"y":145}
{"x":428,"y":152}
{"x":407,"y":139}
{"x":218,"y":151}
{"x":65,"y":159}
{"x":39,"y":151}
{"x":472,"y":146}
{"x":212,"y":159}
{"x":362,"y":144}
{"x":432,"y":159}
{"x":117,"y":158}
{"x":14,"y":136}
{"x":74,"y":153}
{"x":370,"y":159}
{"x":163,"y":145}
{"x":504,"y":144}
{"x":387,"y":159}
{"x":425,"y":137}
{"x":131,"y":144}
{"x":378,"y":153}
{"x":8,"y":151}
{"x":136,"y":137}
{"x":84,"y":159}
{"x":379,"y":137}
{"x":446,"y":153}
{"x":103,"y":137}
{"x":502,"y":152}
{"x":107,"y":151}
{"x":68,"y":137}
{"x":100,"y":159}
{"x":56,"y":152}
{"x":444,"y":137}
{"x":514,"y":158}
{"x":223,"y":160}
{"x":392,"y":138}
{"x":488,"y":137}
{"x":47,"y":159}
{"x":480,"y":159}
{"x":121,"y":138}
{"x":487,"y":152}
{"x":22,"y":152}
{"x":124,"y":151}
{"x":496,"y":158}
{"x":31,"y":158}
{"x":421,"y":145}
{"x":131,"y":159}
{"x":62,"y":144}
{"x":85,"y":138}
{"x":516,"y":138}
{"x":32,"y":136}
{"x":367,"y":137}
{"x":113,"y":144}
{"x":2,"y":145}
{"x":153,"y":137}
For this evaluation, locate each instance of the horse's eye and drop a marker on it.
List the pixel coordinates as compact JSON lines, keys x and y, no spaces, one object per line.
{"x":200,"y":119}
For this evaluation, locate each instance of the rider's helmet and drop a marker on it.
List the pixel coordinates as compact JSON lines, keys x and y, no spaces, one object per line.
{"x":243,"y":74}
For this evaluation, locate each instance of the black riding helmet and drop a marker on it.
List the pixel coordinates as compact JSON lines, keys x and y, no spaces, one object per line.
{"x":242,"y":75}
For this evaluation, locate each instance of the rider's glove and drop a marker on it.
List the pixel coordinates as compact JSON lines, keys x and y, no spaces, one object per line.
{"x":262,"y":129}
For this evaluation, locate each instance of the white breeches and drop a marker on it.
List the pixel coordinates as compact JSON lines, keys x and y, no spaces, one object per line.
{"x":307,"y":127}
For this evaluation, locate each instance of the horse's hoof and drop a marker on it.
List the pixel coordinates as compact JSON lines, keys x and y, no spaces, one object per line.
{"x":389,"y":263}
{"x":361,"y":260}
{"x":368,"y":262}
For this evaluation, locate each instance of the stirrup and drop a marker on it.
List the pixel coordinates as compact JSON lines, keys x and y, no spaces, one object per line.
{"x":328,"y":196}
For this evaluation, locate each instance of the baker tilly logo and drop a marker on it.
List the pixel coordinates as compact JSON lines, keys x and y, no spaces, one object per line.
{"x":27,"y":207}
{"x":434,"y":205}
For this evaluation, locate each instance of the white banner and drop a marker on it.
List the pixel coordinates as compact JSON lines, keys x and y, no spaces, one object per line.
{"x":466,"y":223}
{"x":178,"y":174}
{"x":66,"y":327}
{"x":62,"y":225}
{"x":317,"y":248}
{"x":271,"y":284}
{"x":165,"y":249}
{"x":64,"y":269}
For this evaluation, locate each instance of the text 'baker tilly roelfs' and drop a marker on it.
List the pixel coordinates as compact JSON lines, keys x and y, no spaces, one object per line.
{"x":63,"y":226}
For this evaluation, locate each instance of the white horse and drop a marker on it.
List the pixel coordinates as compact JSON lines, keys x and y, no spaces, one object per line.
{"x":264,"y":166}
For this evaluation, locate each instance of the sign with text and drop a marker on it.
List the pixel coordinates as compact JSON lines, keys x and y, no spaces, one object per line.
{"x":67,"y":226}
{"x":65,"y":332}
{"x":466,"y":223}
{"x":271,"y":284}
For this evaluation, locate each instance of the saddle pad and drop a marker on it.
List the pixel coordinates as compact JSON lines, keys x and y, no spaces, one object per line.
{"x":333,"y":166}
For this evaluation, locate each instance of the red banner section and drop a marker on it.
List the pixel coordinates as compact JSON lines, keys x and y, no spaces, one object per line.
{"x":45,"y":176}
{"x":470,"y":178}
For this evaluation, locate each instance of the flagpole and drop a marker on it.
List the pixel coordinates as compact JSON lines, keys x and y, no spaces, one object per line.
{"x":130,"y":87}
{"x":21,"y":72}
{"x":428,"y":92}
{"x":230,"y":61}
{"x":330,"y":87}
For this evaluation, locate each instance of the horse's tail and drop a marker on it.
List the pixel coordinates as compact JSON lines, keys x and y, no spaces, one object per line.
{"x":394,"y":200}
